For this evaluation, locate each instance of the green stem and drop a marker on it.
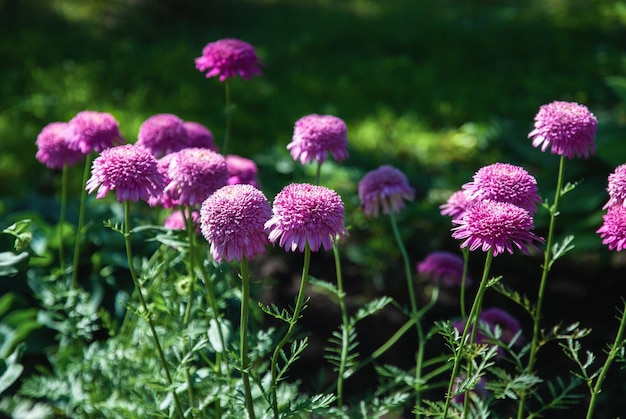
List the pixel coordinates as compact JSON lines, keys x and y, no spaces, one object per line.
{"x":144,"y":306}
{"x":243,"y":334}
{"x":81,"y":220}
{"x":62,"y":217}
{"x":191,"y":235}
{"x":345,"y":327}
{"x":292,"y":324}
{"x":465,"y":252}
{"x":228,"y":116}
{"x":318,"y":173}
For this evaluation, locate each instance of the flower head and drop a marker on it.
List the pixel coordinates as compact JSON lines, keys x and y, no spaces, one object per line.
{"x":195,"y":173}
{"x":228,"y":58}
{"x":162,"y":134}
{"x":53,"y":148}
{"x":198,"y":136}
{"x":568,"y":127}
{"x":176,"y":220}
{"x":165,"y":199}
{"x":233,"y":221}
{"x":496,"y":227}
{"x":129,"y":170}
{"x":385,"y":187}
{"x":504,"y":182}
{"x":617,"y":187}
{"x":455,"y":205}
{"x":443,"y":267}
{"x":305,"y":213}
{"x":613,"y":230}
{"x":94,"y":131}
{"x":314,"y":136}
{"x":241,"y":170}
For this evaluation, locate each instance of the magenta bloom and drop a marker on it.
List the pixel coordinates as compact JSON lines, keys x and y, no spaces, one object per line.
{"x":195,"y":173}
{"x":496,"y":227}
{"x":567,"y":127}
{"x":504,"y":182}
{"x":617,"y":187}
{"x":233,"y":221}
{"x":613,"y":230}
{"x":162,"y":134}
{"x":176,"y":221}
{"x":53,"y":147}
{"x":241,"y":170}
{"x":129,"y":170}
{"x":314,"y":136}
{"x":198,"y":136}
{"x":305,"y":213}
{"x":94,"y":131}
{"x":385,"y":187}
{"x":443,"y":267}
{"x":455,"y":206}
{"x":228,"y":58}
{"x":165,"y":199}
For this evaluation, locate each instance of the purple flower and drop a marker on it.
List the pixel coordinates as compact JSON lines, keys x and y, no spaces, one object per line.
{"x":613,"y":230}
{"x":305,"y":213}
{"x":94,"y":131}
{"x":199,"y":136}
{"x":129,"y":170}
{"x":314,"y":136}
{"x":385,"y":187}
{"x":165,"y":199}
{"x":569,"y":128}
{"x":455,"y":206}
{"x":488,"y":320}
{"x":162,"y":134}
{"x":495,"y":226}
{"x":617,"y":187}
{"x":228,"y":58}
{"x":443,"y":267}
{"x":195,"y":173}
{"x":53,"y":148}
{"x":241,"y":170}
{"x":504,"y":182}
{"x":176,"y":220}
{"x":233,"y":221}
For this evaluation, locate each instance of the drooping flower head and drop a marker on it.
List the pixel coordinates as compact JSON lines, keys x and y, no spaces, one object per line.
{"x":53,"y":148}
{"x":567,"y":127}
{"x":617,"y":187}
{"x":233,"y":221}
{"x":305,"y":213}
{"x":496,"y":227}
{"x":228,"y":58}
{"x":129,"y":170}
{"x":195,"y":173}
{"x":504,"y":182}
{"x":386,"y":188}
{"x":314,"y":136}
{"x":241,"y":170}
{"x":94,"y":131}
{"x":455,"y":205}
{"x":199,"y":136}
{"x":176,"y":220}
{"x":162,"y":134}
{"x":443,"y":267}
{"x":613,"y":229}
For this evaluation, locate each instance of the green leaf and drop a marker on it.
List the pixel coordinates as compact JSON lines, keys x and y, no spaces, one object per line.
{"x":371,"y":308}
{"x":13,"y":370}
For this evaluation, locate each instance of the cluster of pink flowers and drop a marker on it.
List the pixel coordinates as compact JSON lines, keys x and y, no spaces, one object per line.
{"x":166,"y":133}
{"x":613,"y":229}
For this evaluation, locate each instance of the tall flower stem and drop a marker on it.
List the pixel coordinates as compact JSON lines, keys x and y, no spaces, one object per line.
{"x":81,"y":221}
{"x":229,"y":111}
{"x":465,"y":252}
{"x":191,"y":235}
{"x":144,"y":306}
{"x":547,"y":264}
{"x":345,"y":329}
{"x":472,"y":319}
{"x":292,"y":324}
{"x":419,"y":357}
{"x":243,"y":335}
{"x":62,"y":217}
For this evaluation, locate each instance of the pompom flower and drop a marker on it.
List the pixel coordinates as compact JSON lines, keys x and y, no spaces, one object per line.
{"x":567,"y":127}
{"x":228,"y":58}
{"x":496,"y":227}
{"x":162,"y":134}
{"x":443,"y":267}
{"x":194,"y":174}
{"x":314,"y":136}
{"x":504,"y":182}
{"x":613,"y":229}
{"x":129,"y":170}
{"x":94,"y":131}
{"x":164,"y":199}
{"x":176,"y":220}
{"x":386,"y":188}
{"x":233,"y":221}
{"x":199,"y":136}
{"x":305,"y":213}
{"x":53,"y":148}
{"x":241,"y":170}
{"x":455,"y":205}
{"x":617,"y":187}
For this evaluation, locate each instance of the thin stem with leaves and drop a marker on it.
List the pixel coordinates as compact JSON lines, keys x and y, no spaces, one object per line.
{"x":243,"y":335}
{"x":81,"y":220}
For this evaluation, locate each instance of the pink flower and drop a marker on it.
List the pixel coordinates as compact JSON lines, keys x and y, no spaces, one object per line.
{"x":53,"y":148}
{"x":613,"y":230}
{"x":176,"y":221}
{"x":241,"y":170}
{"x":129,"y":170}
{"x":93,"y":131}
{"x":504,"y":182}
{"x":228,"y":58}
{"x":233,"y":221}
{"x":314,"y":136}
{"x":455,"y":206}
{"x":165,"y":199}
{"x":162,"y":134}
{"x":617,"y":187}
{"x":496,"y":227}
{"x":195,"y":173}
{"x":385,"y":187}
{"x":305,"y":213}
{"x":569,"y":128}
{"x":443,"y":267}
{"x":198,"y":136}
